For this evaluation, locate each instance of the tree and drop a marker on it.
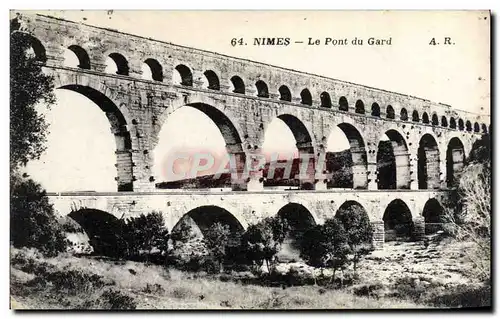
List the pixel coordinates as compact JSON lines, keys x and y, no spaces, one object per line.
{"x":28,"y":86}
{"x":336,"y":238}
{"x":359,"y":231}
{"x":325,"y":246}
{"x":144,"y":233}
{"x":469,"y":220}
{"x":216,"y":238}
{"x":181,"y":234}
{"x":32,"y":219}
{"x":262,"y":241}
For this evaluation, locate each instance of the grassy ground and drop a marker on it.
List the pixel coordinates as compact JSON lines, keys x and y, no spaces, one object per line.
{"x":67,"y":282}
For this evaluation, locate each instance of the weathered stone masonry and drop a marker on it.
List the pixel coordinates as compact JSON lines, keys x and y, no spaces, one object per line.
{"x":242,"y":98}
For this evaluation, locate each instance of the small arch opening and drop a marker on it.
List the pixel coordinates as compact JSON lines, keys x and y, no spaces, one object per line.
{"x":120,"y":62}
{"x":375,"y":110}
{"x":325,"y":100}
{"x":262,"y":90}
{"x":360,"y":107}
{"x":461,"y":124}
{"x":444,"y":121}
{"x":152,"y":70}
{"x":82,"y":58}
{"x":453,"y":124}
{"x":285,"y":94}
{"x":425,"y":118}
{"x":468,"y":126}
{"x":103,"y":230}
{"x":435,"y":120}
{"x":484,"y":128}
{"x":31,"y":46}
{"x":183,"y":76}
{"x":390,"y":112}
{"x":212,"y":79}
{"x":476,"y":127}
{"x":238,"y":85}
{"x":415,"y":117}
{"x":305,"y":97}
{"x":343,"y":105}
{"x":403,"y":115}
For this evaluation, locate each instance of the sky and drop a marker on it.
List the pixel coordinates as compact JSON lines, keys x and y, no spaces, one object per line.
{"x":457,"y":75}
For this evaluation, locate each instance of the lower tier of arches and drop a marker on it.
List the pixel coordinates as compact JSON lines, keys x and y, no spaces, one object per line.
{"x":394,"y":215}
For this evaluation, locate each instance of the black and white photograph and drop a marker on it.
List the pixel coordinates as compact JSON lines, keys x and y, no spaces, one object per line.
{"x":250,"y":160}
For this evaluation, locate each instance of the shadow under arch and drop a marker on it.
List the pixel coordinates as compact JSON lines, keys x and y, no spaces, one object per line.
{"x":119,"y":129}
{"x":358,"y":155}
{"x":433,"y":215}
{"x":393,"y":162}
{"x":299,"y":220}
{"x":428,"y":163}
{"x":201,"y":218}
{"x":224,"y":124}
{"x":103,"y":230}
{"x":304,"y":144}
{"x":455,"y":161}
{"x":353,"y":215}
{"x":398,"y":222}
{"x":25,"y":40}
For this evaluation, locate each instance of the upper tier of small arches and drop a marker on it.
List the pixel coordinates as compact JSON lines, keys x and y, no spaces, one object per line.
{"x":183,"y":76}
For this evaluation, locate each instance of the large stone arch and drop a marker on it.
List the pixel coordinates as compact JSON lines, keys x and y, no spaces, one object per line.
{"x":352,"y":203}
{"x":393,"y":161}
{"x":207,"y":215}
{"x":353,"y":215}
{"x":428,"y":163}
{"x":466,"y":142}
{"x":182,"y":73}
{"x":299,"y":219}
{"x":299,"y":212}
{"x":305,"y":145}
{"x":103,"y":230}
{"x":398,"y":221}
{"x":237,"y":83}
{"x":455,"y":161}
{"x":76,"y":78}
{"x":118,"y":119}
{"x":39,"y":48}
{"x":226,"y":122}
{"x":433,"y":213}
{"x":358,"y":153}
{"x":197,"y":221}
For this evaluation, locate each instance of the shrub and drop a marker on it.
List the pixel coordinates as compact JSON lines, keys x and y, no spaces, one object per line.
{"x":151,"y":289}
{"x":464,"y":296}
{"x":216,"y":239}
{"x":29,"y":85}
{"x":370,"y":290}
{"x":32,"y":218}
{"x":117,"y":300}
{"x":144,"y":233}
{"x":325,"y":246}
{"x":359,"y":231}
{"x":263,"y":241}
{"x":469,"y":218}
{"x":75,"y":281}
{"x":30,"y":265}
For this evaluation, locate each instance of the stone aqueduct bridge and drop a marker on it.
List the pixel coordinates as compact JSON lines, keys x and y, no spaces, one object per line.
{"x":242,"y":97}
